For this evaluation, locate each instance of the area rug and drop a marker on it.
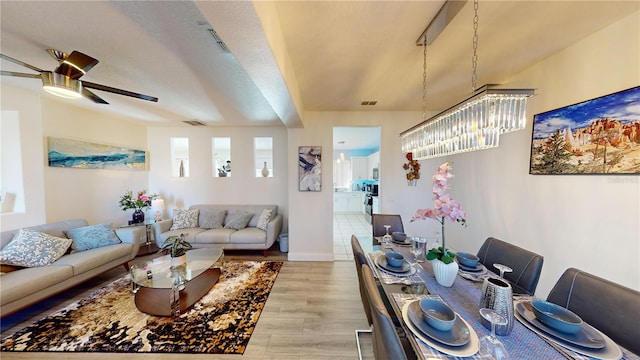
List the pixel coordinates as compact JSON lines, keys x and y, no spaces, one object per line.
{"x":108,"y":321}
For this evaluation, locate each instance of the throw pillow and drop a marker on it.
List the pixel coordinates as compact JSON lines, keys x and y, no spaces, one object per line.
{"x":92,"y":237}
{"x":238,"y":220}
{"x":31,"y":249}
{"x":183,"y":219}
{"x":264,"y":219}
{"x":212,"y":219}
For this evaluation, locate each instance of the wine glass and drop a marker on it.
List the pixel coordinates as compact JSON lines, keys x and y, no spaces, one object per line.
{"x":503,"y":269}
{"x":490,"y":343}
{"x":386,"y":239}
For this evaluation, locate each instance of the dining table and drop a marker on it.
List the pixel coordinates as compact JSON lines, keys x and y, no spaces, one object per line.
{"x":464,"y":297}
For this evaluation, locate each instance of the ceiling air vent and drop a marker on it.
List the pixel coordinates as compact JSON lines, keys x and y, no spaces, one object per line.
{"x":194,"y":123}
{"x":369,"y":102}
{"x":219,"y":41}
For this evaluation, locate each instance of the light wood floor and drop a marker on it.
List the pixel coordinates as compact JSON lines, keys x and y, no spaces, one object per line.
{"x":311,"y":314}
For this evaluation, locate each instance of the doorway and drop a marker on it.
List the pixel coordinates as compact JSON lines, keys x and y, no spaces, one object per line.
{"x":356,"y":168}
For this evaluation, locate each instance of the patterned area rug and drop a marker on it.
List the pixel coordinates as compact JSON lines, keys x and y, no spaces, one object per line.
{"x":107,"y":320}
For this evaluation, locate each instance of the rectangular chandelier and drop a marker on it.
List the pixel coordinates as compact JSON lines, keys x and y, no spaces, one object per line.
{"x":473,"y":124}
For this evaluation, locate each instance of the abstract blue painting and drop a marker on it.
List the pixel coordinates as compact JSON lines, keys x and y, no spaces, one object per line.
{"x":597,"y":136}
{"x":86,"y":155}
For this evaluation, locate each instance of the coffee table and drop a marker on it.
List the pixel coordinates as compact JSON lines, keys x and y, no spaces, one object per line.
{"x":158,"y":286}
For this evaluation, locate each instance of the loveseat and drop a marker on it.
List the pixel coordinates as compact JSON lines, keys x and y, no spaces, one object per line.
{"x":84,"y":254}
{"x":230,"y":227}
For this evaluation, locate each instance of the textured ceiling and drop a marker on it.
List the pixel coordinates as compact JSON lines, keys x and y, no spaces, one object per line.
{"x":290,"y":56}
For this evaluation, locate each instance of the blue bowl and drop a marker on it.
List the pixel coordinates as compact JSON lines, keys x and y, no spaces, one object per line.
{"x":394,"y":259}
{"x":468,"y":260}
{"x":437,"y":314}
{"x":556,"y":316}
{"x":398,"y":236}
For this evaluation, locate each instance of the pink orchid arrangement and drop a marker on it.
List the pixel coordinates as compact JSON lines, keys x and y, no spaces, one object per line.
{"x":444,"y":208}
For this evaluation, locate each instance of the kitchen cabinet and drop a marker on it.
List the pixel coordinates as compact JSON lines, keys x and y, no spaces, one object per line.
{"x":375,"y":208}
{"x":373,"y":161}
{"x":348,"y":202}
{"x":360,"y":168}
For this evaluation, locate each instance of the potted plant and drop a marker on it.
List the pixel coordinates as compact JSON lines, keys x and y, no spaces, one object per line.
{"x":445,"y":208}
{"x":177,"y":247}
{"x":137,"y":202}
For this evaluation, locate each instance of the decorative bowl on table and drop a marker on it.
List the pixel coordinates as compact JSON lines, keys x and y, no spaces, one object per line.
{"x":398,"y":236}
{"x":556,"y":316}
{"x":437,"y":314}
{"x":394,"y":259}
{"x":468,"y":260}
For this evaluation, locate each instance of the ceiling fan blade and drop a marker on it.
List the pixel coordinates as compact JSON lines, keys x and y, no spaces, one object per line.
{"x":90,"y":95}
{"x":15,"y":61}
{"x":12,"y":73}
{"x":91,"y":85}
{"x":76,"y":64}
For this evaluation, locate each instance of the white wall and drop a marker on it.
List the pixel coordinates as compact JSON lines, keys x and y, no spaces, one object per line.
{"x":91,"y":194}
{"x":243,"y":187}
{"x":29,"y":186}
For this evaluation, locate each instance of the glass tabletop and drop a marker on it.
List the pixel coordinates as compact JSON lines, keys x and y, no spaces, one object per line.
{"x":159,"y":274}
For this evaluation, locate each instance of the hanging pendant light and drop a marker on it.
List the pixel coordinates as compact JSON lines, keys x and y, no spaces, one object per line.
{"x":473,"y":124}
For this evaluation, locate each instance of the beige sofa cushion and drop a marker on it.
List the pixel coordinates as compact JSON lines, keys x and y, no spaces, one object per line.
{"x":18,"y":284}
{"x":84,"y":261}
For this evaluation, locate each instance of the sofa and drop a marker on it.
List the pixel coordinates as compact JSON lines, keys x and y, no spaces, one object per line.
{"x":23,"y":286}
{"x":219,"y":226}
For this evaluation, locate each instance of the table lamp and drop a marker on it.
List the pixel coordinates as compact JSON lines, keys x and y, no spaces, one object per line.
{"x":157,"y":207}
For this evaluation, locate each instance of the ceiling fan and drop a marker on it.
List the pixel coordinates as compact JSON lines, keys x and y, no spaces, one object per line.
{"x":64,"y":80}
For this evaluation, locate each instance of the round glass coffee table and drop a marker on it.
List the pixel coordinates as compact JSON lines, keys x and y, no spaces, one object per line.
{"x":163,"y":290}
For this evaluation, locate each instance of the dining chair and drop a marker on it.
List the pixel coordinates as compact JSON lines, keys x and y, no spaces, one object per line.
{"x":379,"y":220}
{"x":386,"y":342}
{"x":526,"y":265}
{"x":609,"y":307}
{"x":360,"y":259}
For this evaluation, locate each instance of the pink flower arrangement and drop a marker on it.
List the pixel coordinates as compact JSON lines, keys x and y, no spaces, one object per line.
{"x":444,"y":208}
{"x":142,"y":200}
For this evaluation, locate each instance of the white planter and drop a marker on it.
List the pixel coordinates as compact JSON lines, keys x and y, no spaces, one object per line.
{"x":178,"y":261}
{"x":445,"y":273}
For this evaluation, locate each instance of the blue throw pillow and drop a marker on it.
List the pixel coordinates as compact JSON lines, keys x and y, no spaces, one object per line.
{"x":91,"y":237}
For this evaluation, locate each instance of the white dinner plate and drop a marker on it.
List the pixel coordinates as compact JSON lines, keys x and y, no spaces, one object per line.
{"x":470,"y":349}
{"x":611,"y":350}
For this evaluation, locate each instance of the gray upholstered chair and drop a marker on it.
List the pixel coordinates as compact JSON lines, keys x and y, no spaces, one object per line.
{"x":605,"y":305}
{"x":379,"y":220}
{"x":386,"y":342}
{"x":360,"y":259}
{"x":526,"y":265}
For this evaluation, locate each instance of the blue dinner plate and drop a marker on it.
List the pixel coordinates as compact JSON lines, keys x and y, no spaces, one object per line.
{"x":586,"y":337}
{"x":381,"y":261}
{"x":477,"y":268}
{"x":459,"y":335}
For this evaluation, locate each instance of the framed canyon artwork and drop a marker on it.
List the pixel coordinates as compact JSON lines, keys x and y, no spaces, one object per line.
{"x":597,"y":136}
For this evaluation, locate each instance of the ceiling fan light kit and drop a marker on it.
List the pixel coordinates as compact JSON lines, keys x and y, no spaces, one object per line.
{"x":473,"y":124}
{"x":61,"y":85}
{"x":63,"y":81}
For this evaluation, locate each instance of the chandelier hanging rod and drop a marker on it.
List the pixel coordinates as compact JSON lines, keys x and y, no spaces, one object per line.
{"x":444,"y":16}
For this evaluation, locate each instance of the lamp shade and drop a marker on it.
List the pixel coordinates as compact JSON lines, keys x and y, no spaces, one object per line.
{"x":157,"y":209}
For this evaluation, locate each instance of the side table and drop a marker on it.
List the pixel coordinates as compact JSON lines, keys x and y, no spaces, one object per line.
{"x":149,"y":246}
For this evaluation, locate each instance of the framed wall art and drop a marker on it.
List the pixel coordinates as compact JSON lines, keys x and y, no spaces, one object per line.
{"x":86,"y":155}
{"x":310,"y":168}
{"x":597,"y":136}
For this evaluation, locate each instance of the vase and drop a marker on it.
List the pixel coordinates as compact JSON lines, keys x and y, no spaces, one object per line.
{"x":497,"y":295}
{"x":265,"y":170}
{"x":445,"y":273}
{"x":178,"y":261}
{"x":138,"y":216}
